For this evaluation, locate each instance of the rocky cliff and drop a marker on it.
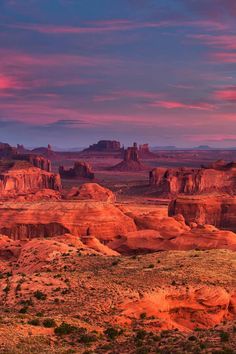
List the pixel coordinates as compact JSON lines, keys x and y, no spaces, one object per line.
{"x":104,"y":146}
{"x":193,"y":181}
{"x":80,"y":170}
{"x":20,"y":177}
{"x":131,"y":161}
{"x":219,"y":211}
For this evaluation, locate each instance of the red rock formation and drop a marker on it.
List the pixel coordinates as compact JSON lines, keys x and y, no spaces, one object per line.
{"x":80,"y":170}
{"x":131,"y":161}
{"x":182,"y":307}
{"x":104,"y":146}
{"x":91,"y":191}
{"x":144,"y":151}
{"x":30,"y":220}
{"x":147,"y":241}
{"x":193,"y":181}
{"x":35,"y":160}
{"x":219,"y":211}
{"x":6,"y":150}
{"x":20,"y":178}
{"x":45,"y":151}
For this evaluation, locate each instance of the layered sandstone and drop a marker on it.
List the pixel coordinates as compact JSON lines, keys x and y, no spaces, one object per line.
{"x":80,"y":170}
{"x":219,"y":211}
{"x":91,"y":191}
{"x":35,"y":219}
{"x":104,"y":146}
{"x":194,"y":181}
{"x":35,"y":160}
{"x":20,"y":178}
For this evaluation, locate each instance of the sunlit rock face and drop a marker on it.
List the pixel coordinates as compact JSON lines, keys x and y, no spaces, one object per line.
{"x":36,"y":219}
{"x":22,"y":178}
{"x":219,"y":211}
{"x":216,"y":178}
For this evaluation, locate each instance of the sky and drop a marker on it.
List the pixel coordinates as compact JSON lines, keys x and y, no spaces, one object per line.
{"x":158,"y":71}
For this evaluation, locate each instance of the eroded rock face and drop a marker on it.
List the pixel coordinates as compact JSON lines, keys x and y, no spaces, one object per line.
{"x":219,"y":211}
{"x":91,"y":191}
{"x":35,"y":219}
{"x":104,"y":146}
{"x":182,"y":308}
{"x":144,"y":151}
{"x":160,"y":233}
{"x":20,"y":178}
{"x":80,"y":170}
{"x":35,"y":160}
{"x":131,"y":161}
{"x":148,"y":241}
{"x":194,"y":181}
{"x":6,"y":150}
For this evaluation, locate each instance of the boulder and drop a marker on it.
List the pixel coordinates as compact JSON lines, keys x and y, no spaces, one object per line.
{"x":91,"y":191}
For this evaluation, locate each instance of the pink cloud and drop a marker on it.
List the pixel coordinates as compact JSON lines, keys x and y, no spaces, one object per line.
{"x":5,"y":83}
{"x":227,"y":94}
{"x":225,"y":41}
{"x":180,"y":105}
{"x":115,"y":25}
{"x":117,"y":95}
{"x":53,"y":59}
{"x":224,"y":57}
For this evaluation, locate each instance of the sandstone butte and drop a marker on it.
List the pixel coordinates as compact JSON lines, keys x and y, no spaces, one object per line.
{"x":131,"y":161}
{"x":22,"y":178}
{"x":217,"y":178}
{"x":81,"y":169}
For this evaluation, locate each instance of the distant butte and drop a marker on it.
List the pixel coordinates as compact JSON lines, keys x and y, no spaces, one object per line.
{"x":131,"y":161}
{"x":81,"y":169}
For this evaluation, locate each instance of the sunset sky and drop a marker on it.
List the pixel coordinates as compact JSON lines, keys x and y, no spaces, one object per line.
{"x":159,"y":71}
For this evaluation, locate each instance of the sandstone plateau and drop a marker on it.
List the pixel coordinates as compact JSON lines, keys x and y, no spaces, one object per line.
{"x":21,"y":178}
{"x":220,"y":179}
{"x":38,"y":219}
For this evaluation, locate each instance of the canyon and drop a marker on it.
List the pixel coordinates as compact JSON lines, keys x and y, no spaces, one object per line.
{"x":125,"y":254}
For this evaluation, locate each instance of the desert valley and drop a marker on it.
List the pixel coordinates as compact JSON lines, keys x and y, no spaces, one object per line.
{"x":117,"y":250}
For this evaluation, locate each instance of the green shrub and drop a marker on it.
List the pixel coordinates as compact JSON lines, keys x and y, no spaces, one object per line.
{"x":86,"y":339}
{"x":34,"y":322}
{"x":143,"y":350}
{"x":111,"y":333}
{"x":24,"y":309}
{"x":224,"y":336}
{"x":64,"y":328}
{"x":40,"y":295}
{"x":150,"y":266}
{"x":141,"y":334}
{"x":143,"y":315}
{"x":49,"y":323}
